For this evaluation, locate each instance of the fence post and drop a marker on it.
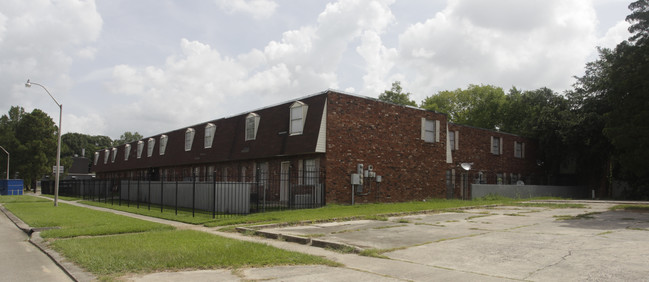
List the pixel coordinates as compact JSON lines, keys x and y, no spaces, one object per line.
{"x":162,"y":186}
{"x":149,"y":195}
{"x":176,"y":204}
{"x":137,"y":196}
{"x":213,"y":194}
{"x":193,"y":193}
{"x":128,"y":192}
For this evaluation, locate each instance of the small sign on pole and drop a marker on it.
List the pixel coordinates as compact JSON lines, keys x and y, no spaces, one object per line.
{"x":61,"y":169}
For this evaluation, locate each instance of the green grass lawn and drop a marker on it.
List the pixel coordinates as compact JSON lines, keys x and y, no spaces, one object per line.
{"x":21,"y":199}
{"x":135,"y":246}
{"x":77,"y":221}
{"x":183,"y":215}
{"x":362,"y":211}
{"x":174,"y":250}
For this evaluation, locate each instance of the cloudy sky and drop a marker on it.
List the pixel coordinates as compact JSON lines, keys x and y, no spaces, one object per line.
{"x":153,"y":66}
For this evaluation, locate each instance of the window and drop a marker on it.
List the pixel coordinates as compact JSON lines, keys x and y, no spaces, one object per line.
{"x":96,"y":157}
{"x":149,"y":147}
{"x":189,"y":138}
{"x":311,"y":172}
{"x":163,"y":144}
{"x":209,"y":135}
{"x":127,"y":151}
{"x":140,"y":148}
{"x":429,"y":132}
{"x":496,"y":145}
{"x":298,"y":114}
{"x":453,"y":140}
{"x":519,"y":150}
{"x":252,"y":124}
{"x":112,"y":159}
{"x":106,"y":155}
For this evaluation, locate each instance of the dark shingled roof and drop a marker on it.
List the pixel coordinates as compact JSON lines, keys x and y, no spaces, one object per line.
{"x":229,"y":140}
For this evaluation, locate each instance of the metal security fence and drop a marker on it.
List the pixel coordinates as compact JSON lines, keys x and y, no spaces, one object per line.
{"x":268,"y":192}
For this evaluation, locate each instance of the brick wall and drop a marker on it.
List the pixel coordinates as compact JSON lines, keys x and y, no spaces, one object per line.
{"x":388,"y":137}
{"x":475,"y":147}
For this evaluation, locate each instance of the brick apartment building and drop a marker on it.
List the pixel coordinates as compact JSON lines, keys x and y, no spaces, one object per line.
{"x":406,"y":153}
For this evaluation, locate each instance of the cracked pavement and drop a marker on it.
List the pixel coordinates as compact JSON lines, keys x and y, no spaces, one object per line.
{"x":502,"y":243}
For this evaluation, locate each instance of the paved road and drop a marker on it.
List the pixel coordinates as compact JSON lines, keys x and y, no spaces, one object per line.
{"x":22,"y":261}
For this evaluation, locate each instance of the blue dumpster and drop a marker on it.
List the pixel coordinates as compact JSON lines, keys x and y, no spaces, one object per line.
{"x":11,"y":187}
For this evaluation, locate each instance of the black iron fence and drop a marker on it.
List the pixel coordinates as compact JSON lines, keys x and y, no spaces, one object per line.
{"x":268,"y":192}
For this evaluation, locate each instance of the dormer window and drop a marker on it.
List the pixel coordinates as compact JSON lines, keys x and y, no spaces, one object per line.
{"x":114,"y":155}
{"x":298,"y":114}
{"x":149,"y":147}
{"x":210,"y":128}
{"x":106,"y":156}
{"x":252,"y":124}
{"x":189,"y":139}
{"x":140,"y":148}
{"x":127,"y":151}
{"x":163,"y":144}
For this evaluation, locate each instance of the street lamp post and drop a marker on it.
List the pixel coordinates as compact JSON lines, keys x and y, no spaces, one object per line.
{"x":58,"y":148}
{"x":7,"y":161}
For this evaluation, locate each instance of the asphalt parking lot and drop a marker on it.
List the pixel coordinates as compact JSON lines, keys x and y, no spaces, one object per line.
{"x":501,"y":243}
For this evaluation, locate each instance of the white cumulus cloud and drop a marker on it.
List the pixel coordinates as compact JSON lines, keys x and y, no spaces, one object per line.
{"x":258,"y":9}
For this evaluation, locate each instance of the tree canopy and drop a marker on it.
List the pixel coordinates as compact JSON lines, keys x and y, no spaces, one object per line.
{"x":478,"y":105}
{"x":31,"y":139}
{"x":395,"y":95}
{"x":127,"y":137}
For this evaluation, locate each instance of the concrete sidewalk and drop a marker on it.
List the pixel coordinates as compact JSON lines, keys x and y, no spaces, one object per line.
{"x":496,"y":244}
{"x":22,"y":261}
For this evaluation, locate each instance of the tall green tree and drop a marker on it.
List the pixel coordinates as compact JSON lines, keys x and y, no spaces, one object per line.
{"x":547,"y":117}
{"x":612,"y":100}
{"x":478,"y":105}
{"x":8,"y":124}
{"x":395,"y":95}
{"x":35,"y":153}
{"x":127,"y":137}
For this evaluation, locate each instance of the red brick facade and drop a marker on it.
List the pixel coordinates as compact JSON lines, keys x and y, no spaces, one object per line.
{"x":340,"y":132}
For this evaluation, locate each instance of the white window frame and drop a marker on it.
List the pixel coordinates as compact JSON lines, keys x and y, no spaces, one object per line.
{"x":311,"y":168}
{"x":140,"y":148}
{"x":519,"y":150}
{"x":297,"y":116}
{"x":114,"y":155}
{"x":163,"y":144}
{"x":252,"y":125}
{"x":452,"y":139}
{"x":496,"y":145}
{"x":150,"y":144}
{"x":189,"y":139}
{"x":127,"y":151}
{"x":210,"y":129}
{"x":430,"y":130}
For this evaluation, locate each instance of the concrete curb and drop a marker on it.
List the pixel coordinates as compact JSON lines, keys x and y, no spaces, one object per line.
{"x":297,"y":239}
{"x":71,"y":270}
